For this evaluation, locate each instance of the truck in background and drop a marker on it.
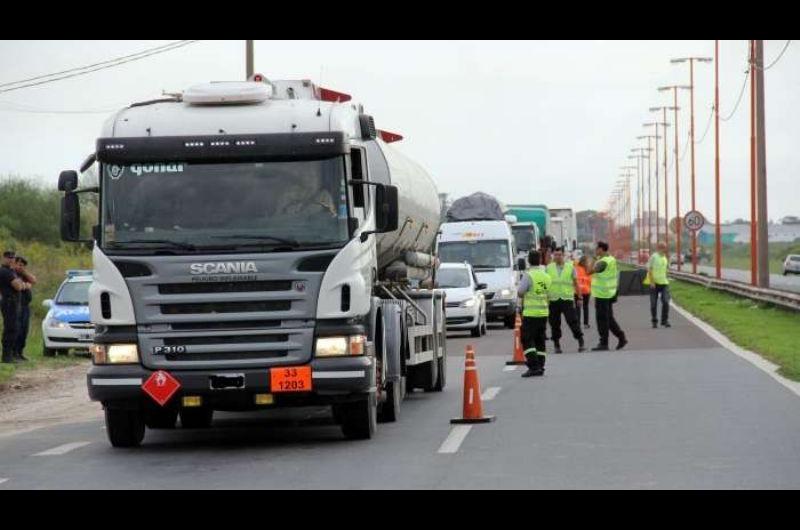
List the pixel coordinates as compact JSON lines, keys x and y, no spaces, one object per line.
{"x":256,"y":248}
{"x":564,"y":228}
{"x":532,"y":213}
{"x":477,"y":232}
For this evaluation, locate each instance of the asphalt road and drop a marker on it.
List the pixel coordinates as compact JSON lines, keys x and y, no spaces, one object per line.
{"x":776,"y":281}
{"x":673,"y":410}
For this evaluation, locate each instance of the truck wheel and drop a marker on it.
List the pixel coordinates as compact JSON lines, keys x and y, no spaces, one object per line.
{"x":442,"y":379}
{"x":160,"y":418}
{"x":125,"y":428}
{"x":390,"y":409}
{"x":196,"y":418}
{"x":360,"y":418}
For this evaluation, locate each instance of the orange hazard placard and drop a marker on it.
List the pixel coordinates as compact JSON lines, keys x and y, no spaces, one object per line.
{"x":290,"y":379}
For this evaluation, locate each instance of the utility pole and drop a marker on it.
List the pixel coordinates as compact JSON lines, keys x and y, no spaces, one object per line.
{"x":761,"y":169}
{"x":718,"y":229}
{"x":249,"y":59}
{"x":691,"y":61}
{"x":654,"y":124}
{"x":753,"y":221}
{"x":649,"y":195}
{"x":640,"y":157}
{"x":678,"y":223}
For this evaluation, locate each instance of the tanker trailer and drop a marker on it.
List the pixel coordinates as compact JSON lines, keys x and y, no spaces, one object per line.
{"x":259,"y":245}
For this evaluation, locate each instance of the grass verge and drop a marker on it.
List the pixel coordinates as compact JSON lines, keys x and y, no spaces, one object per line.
{"x":762,"y":328}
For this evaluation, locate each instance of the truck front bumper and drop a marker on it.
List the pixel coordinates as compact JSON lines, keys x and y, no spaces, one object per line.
{"x":334,"y":380}
{"x":500,"y":309}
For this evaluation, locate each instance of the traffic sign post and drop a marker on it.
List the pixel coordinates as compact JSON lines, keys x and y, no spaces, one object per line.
{"x":694,"y":220}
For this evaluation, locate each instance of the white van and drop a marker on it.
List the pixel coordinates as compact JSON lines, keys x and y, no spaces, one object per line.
{"x":489,"y":247}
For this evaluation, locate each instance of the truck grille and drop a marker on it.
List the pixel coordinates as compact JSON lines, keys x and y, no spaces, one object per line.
{"x":224,"y":287}
{"x":224,"y":307}
{"x":215,"y":326}
{"x":239,"y":339}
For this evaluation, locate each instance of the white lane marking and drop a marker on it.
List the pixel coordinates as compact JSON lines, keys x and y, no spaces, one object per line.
{"x":510,"y":368}
{"x":490,"y":393}
{"x":454,"y":439}
{"x":337,"y":375}
{"x":62,"y":449}
{"x":753,"y":358}
{"x":133,"y":381}
{"x":3,"y":480}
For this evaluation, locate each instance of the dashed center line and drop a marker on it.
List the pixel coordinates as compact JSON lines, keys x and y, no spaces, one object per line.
{"x":490,"y":393}
{"x":454,"y":439}
{"x":3,"y":480}
{"x":62,"y":449}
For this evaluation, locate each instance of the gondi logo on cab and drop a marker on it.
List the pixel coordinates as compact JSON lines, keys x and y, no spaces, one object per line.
{"x":140,"y":169}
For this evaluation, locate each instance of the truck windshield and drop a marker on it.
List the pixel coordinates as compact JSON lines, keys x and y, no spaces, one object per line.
{"x":490,"y":254}
{"x":74,"y":293}
{"x":453,"y":278}
{"x":225,"y":206}
{"x":524,"y":238}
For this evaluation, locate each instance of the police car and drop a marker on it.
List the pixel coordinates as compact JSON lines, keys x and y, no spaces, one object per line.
{"x":67,"y":325}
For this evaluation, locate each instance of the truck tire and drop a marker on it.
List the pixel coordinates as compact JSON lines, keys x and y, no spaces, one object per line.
{"x":360,"y":418}
{"x":160,"y":418}
{"x":441,"y":381}
{"x":125,"y":428}
{"x":196,"y":418}
{"x":390,"y":409}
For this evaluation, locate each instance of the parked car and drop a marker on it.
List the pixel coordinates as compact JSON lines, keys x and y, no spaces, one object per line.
{"x":791,"y":265}
{"x":67,"y":325}
{"x":465,"y":302}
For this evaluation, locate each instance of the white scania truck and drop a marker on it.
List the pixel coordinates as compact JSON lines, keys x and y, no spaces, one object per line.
{"x":258,"y":246}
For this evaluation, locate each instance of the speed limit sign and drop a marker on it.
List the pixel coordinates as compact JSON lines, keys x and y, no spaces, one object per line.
{"x":694,"y":220}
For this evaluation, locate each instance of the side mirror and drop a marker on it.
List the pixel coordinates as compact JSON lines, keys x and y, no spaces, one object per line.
{"x":481,"y":286}
{"x":70,"y":217}
{"x":521,"y":264}
{"x":387,"y":211}
{"x":47,"y":303}
{"x":68,"y":181}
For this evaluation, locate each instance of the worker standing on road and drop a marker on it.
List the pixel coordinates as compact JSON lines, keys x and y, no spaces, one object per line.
{"x":604,"y":289}
{"x":562,"y":298}
{"x":533,"y":290}
{"x":584,"y":288}
{"x":659,"y":285}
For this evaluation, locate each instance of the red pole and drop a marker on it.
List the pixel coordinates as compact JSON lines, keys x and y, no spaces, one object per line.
{"x":753,"y":247}
{"x":678,"y":224}
{"x":718,"y":238}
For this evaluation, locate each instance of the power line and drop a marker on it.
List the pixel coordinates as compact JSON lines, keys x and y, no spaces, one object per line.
{"x":70,"y":70}
{"x":739,"y":99}
{"x":708,"y":126}
{"x":778,"y":58}
{"x":84,"y":72}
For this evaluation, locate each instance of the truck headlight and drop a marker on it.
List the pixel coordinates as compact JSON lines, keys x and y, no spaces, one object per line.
{"x":505,"y":293}
{"x":468,"y":303}
{"x":55,"y":323}
{"x":340,"y":346}
{"x":114,"y":353}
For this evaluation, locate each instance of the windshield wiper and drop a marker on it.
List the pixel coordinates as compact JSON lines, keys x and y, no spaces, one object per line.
{"x":261,"y":237}
{"x":164,"y":242}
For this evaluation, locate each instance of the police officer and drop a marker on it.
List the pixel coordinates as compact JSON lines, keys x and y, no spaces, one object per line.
{"x":533,"y":290}
{"x":24,"y":316}
{"x":562,"y":298}
{"x":10,"y":287}
{"x":659,"y":285}
{"x":604,"y":290}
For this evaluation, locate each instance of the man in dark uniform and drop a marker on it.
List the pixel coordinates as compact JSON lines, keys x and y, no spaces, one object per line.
{"x":24,"y":317}
{"x":10,"y":287}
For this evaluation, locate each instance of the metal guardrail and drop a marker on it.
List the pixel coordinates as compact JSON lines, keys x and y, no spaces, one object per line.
{"x":785,"y":299}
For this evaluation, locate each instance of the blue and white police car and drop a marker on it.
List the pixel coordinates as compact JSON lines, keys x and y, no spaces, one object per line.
{"x":67,"y":325}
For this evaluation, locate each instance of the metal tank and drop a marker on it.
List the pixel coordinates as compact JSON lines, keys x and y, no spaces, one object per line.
{"x":419,"y":213}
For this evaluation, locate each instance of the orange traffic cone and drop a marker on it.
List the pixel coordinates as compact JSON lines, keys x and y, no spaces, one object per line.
{"x":519,"y":356}
{"x":473,"y":411}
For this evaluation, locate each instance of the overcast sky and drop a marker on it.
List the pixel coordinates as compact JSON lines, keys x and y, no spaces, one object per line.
{"x":530,"y":122}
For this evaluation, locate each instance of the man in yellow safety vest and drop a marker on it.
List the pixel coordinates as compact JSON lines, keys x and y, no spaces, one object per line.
{"x":659,"y":285}
{"x":604,"y":290}
{"x":533,"y":289}
{"x":562,"y":298}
